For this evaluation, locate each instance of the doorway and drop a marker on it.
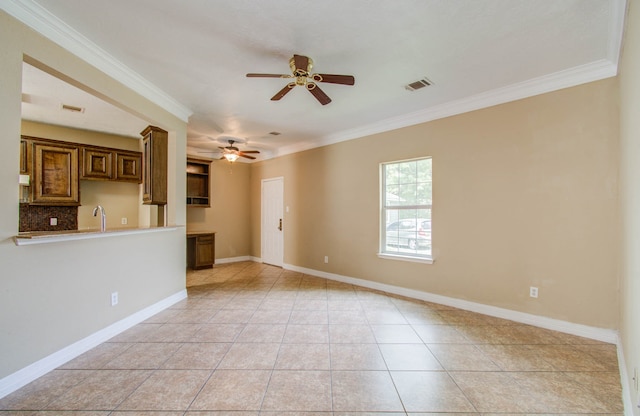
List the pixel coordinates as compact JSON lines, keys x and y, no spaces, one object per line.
{"x":272,"y":246}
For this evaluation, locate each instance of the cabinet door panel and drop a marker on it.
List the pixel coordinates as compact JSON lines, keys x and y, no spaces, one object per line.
{"x":205,"y":252}
{"x":129,"y":167}
{"x":201,"y":251}
{"x":154,"y":145}
{"x":97,"y":164}
{"x":25,"y":157}
{"x":56,"y":175}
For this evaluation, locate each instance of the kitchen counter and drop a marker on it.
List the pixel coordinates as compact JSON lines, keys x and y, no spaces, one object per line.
{"x":199,"y":233}
{"x":43,"y":237}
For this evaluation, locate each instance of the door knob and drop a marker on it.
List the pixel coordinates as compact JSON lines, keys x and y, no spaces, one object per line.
{"x":280,"y":225}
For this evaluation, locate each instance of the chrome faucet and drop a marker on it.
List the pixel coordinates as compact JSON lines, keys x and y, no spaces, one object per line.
{"x":103,"y":217}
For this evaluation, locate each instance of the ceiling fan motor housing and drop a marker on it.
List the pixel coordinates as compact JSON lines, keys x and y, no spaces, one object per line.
{"x":300,"y":72}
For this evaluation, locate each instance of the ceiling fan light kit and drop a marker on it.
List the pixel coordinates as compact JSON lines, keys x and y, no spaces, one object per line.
{"x":231,"y":153}
{"x":231,"y":157}
{"x":301,"y":73}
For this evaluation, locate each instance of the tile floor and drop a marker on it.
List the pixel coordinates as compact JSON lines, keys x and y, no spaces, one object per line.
{"x":256,"y":340}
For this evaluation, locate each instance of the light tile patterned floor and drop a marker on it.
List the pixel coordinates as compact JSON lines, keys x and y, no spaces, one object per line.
{"x":256,"y":340}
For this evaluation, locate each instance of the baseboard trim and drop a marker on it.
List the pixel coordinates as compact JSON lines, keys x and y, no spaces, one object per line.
{"x":599,"y":334}
{"x":234,"y":259}
{"x":627,"y":392}
{"x":26,"y":375}
{"x":238,"y":259}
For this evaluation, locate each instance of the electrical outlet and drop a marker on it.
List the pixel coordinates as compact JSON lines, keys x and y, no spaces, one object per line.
{"x":123,"y":221}
{"x":326,"y":259}
{"x":533,"y":292}
{"x":53,"y":221}
{"x":114,"y":298}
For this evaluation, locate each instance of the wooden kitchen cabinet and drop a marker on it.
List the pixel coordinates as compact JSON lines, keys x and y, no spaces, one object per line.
{"x":129,"y":167}
{"x":55,"y":168}
{"x":25,"y":157}
{"x":201,"y":252}
{"x":97,"y":163}
{"x":55,"y":174}
{"x":154,"y":170}
{"x":198,"y":182}
{"x":104,"y":163}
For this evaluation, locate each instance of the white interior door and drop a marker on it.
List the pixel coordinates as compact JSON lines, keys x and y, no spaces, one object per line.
{"x":272,"y":221}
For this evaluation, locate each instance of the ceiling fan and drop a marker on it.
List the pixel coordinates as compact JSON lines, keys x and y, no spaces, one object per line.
{"x":301,"y":73}
{"x":232,"y":153}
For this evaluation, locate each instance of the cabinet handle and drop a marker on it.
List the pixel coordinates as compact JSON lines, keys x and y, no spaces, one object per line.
{"x":280,"y":225}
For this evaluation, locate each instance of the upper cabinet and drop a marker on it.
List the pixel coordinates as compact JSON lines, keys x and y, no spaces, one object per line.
{"x":154,"y":150}
{"x":55,"y":168}
{"x":25,"y":157}
{"x":55,"y":174}
{"x":102,"y":163}
{"x":97,"y":163}
{"x":128,"y":166}
{"x":198,"y":182}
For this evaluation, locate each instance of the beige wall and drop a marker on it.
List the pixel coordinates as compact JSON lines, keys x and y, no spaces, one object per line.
{"x":630,"y":196}
{"x":230,"y":207}
{"x":56,"y":294}
{"x":119,"y":199}
{"x":525,"y":194}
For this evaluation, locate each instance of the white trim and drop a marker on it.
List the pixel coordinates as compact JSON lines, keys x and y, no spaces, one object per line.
{"x":400,"y":257}
{"x":41,"y":20}
{"x":48,"y":25}
{"x":563,"y":79}
{"x":627,"y":391}
{"x":600,"y":334}
{"x":618,"y":10}
{"x":235,"y":259}
{"x":24,"y":376}
{"x":85,"y":235}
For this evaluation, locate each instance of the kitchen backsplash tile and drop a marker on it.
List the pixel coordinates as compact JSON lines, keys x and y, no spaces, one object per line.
{"x":38,"y":218}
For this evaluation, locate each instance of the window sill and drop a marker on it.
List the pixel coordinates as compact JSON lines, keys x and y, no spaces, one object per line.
{"x":425,"y":260}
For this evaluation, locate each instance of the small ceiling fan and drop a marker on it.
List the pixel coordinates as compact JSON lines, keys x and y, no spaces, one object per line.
{"x":232,"y":153}
{"x":301,"y":73}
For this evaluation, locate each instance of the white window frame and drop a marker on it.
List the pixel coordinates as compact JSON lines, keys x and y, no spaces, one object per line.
{"x":398,"y":253}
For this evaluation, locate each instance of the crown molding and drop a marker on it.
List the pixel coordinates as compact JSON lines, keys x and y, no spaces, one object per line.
{"x":571,"y":77}
{"x":563,"y":79}
{"x":618,"y":10}
{"x":48,"y":25}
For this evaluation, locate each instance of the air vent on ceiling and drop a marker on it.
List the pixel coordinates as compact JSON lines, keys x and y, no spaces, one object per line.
{"x":421,"y":83}
{"x":72,"y":108}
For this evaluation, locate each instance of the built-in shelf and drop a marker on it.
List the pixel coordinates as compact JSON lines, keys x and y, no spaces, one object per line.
{"x":198,"y":182}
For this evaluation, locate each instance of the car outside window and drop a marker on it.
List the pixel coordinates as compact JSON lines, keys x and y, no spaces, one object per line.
{"x":406,"y":199}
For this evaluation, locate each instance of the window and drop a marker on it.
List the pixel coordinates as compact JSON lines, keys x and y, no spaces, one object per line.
{"x":405,"y":221}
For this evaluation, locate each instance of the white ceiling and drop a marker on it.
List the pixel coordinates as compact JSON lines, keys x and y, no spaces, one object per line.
{"x":197,"y":52}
